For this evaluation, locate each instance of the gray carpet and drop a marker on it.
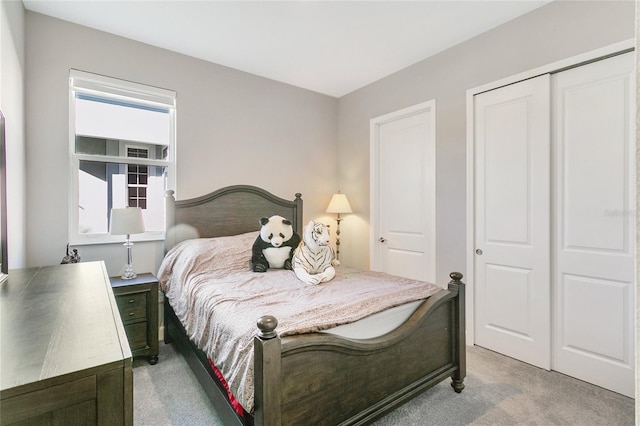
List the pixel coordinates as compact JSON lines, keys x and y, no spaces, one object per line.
{"x":499,"y":391}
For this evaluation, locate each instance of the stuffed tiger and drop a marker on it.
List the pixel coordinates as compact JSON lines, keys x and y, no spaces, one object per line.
{"x":314,"y":260}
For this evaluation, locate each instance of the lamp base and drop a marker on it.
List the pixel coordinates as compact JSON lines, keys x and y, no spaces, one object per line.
{"x":128,"y":273}
{"x":338,"y":239}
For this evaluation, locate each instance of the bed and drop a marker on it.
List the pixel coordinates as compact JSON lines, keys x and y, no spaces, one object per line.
{"x":329,"y":376}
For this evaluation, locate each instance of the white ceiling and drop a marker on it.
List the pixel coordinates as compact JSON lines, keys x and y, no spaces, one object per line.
{"x":331,"y":47}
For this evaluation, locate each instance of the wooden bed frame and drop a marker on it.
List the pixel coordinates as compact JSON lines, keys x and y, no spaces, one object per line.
{"x":320,"y":378}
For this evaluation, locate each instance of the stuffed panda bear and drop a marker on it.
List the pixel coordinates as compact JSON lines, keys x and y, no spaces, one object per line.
{"x":274,"y":246}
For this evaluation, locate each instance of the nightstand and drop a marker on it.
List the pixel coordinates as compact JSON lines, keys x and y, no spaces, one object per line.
{"x":137,"y":301}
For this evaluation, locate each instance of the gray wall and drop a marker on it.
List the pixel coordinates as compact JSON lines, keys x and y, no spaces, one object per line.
{"x":233,"y":128}
{"x":12,"y":66}
{"x":548,"y":34}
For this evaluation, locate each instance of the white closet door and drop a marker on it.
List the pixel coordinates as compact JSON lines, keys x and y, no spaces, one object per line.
{"x":594,"y":215}
{"x":512,"y":163}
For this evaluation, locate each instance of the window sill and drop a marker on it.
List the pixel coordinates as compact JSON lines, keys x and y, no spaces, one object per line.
{"x":85,"y":240}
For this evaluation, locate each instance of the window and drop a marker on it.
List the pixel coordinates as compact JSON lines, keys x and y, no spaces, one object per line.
{"x":122,"y":149}
{"x":137,"y":179}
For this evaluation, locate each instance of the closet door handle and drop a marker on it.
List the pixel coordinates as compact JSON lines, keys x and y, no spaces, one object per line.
{"x":382,"y":239}
{"x":479,"y":252}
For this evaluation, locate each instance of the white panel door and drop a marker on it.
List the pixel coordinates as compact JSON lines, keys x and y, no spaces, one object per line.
{"x":403,"y":196}
{"x":593,"y":132}
{"x":512,"y":242}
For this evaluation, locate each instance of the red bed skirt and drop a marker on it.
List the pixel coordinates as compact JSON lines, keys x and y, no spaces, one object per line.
{"x":234,"y":402}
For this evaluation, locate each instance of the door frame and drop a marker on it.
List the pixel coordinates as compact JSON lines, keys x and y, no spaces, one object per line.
{"x":374,"y":158}
{"x":574,"y":61}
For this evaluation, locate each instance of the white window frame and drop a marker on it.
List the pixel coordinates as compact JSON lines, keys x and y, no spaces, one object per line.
{"x":89,"y":83}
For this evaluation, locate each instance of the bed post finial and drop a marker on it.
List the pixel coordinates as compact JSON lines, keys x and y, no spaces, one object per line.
{"x":267,"y":325}
{"x":456,"y":276}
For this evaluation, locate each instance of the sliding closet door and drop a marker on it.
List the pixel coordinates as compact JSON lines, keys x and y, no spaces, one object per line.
{"x":512,"y":234}
{"x":593,"y":115}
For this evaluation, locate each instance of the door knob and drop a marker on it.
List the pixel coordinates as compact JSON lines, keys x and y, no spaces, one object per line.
{"x":381,"y":239}
{"x":479,"y":252}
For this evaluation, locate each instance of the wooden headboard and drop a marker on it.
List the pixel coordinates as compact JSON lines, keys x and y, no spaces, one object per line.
{"x":228,"y":211}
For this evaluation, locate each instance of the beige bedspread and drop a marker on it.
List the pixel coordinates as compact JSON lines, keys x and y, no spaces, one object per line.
{"x":218,"y":300}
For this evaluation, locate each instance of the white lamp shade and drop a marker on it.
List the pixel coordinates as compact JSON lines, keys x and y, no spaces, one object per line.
{"x":126,"y":221}
{"x":339,"y":204}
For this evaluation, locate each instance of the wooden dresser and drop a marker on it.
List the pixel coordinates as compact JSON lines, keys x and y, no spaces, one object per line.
{"x":64,"y":358}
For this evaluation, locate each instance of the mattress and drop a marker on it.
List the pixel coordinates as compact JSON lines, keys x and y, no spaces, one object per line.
{"x":377,"y":324}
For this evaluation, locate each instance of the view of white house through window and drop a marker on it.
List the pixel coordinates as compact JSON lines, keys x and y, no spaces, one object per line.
{"x":122,"y":146}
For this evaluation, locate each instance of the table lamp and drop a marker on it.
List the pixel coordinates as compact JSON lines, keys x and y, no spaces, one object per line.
{"x":127,"y":221}
{"x":338,"y":204}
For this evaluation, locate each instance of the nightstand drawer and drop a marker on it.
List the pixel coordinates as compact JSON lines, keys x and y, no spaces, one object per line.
{"x":132,"y":306}
{"x":137,"y":335}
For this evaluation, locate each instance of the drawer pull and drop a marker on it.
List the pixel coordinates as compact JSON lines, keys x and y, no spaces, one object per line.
{"x":132,"y":300}
{"x":131,"y":314}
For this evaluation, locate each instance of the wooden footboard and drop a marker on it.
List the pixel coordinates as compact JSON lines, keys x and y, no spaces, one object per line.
{"x":325,"y":379}
{"x":319,"y":378}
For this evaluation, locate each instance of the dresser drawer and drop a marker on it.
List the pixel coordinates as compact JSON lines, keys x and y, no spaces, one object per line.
{"x":132,"y":306}
{"x":137,"y":335}
{"x":55,"y":403}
